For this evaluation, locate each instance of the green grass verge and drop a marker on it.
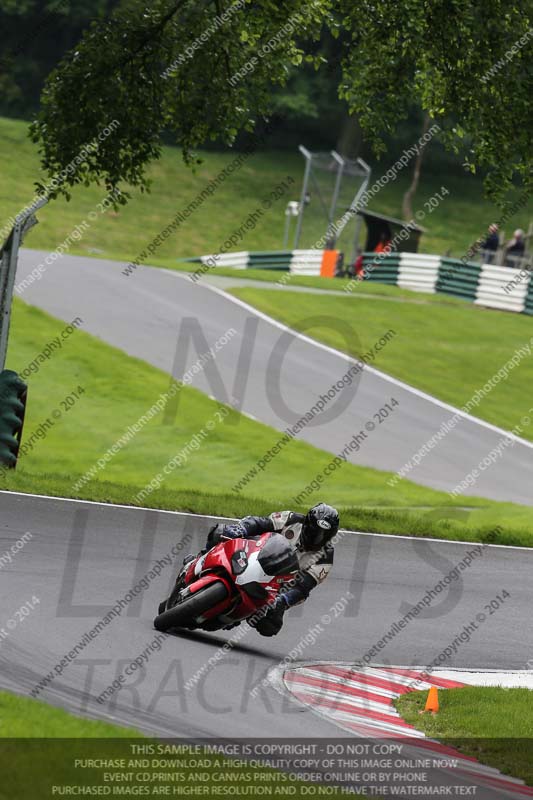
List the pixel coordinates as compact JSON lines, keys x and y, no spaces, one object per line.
{"x":362,"y":288}
{"x":450,"y":353}
{"x":30,"y":769}
{"x":22,"y":717}
{"x":455,"y":224}
{"x":118,"y":390}
{"x":477,"y":521}
{"x":491,"y":724}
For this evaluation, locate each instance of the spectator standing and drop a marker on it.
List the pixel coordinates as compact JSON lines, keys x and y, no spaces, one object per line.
{"x":515,"y":249}
{"x":491,"y":244}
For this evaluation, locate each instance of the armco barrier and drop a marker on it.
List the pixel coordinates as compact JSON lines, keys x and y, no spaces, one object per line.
{"x":501,"y":287}
{"x":381,"y":269}
{"x":458,"y":279}
{"x":418,"y":272}
{"x":280,"y":259}
{"x":306,"y":262}
{"x":231,"y":260}
{"x":484,"y":284}
{"x":298,"y":262}
{"x":529,"y":299}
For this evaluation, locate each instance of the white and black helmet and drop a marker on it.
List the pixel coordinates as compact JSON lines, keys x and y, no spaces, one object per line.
{"x":319,"y":527}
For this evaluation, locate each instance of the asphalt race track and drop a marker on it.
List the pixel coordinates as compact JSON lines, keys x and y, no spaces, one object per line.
{"x":144,"y":313}
{"x":82,"y":558}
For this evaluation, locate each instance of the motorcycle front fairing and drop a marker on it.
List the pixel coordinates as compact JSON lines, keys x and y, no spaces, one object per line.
{"x":236,"y":564}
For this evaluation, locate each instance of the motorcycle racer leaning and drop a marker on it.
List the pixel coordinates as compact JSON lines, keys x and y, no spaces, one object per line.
{"x":310,"y":535}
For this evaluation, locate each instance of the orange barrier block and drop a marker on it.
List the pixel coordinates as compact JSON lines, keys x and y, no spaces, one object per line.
{"x":329,"y":263}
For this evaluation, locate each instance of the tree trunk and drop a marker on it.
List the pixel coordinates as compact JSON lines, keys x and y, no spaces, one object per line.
{"x":350,"y":138}
{"x":407,"y":204}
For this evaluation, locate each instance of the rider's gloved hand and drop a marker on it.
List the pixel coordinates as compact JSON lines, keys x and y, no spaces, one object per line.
{"x":270,"y":621}
{"x":278,"y":606}
{"x":281,"y":603}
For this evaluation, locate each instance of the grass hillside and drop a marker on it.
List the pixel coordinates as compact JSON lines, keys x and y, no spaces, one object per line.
{"x":458,"y":220}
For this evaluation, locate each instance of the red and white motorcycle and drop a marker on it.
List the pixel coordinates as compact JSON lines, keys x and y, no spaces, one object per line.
{"x":229,"y":584}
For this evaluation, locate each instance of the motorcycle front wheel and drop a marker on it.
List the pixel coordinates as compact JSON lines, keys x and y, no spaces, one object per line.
{"x":184,"y":614}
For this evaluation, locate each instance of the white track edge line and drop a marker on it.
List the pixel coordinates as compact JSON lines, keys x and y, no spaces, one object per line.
{"x":211,"y":516}
{"x":337,"y":663}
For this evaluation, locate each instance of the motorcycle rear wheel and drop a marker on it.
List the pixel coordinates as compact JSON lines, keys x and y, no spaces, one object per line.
{"x":183,"y":614}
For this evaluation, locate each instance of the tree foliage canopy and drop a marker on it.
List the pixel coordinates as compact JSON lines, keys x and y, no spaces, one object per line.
{"x":470,"y":64}
{"x":35,"y":33}
{"x":204,"y":69}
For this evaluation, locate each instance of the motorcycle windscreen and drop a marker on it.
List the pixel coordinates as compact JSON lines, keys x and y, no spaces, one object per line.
{"x":277,"y":557}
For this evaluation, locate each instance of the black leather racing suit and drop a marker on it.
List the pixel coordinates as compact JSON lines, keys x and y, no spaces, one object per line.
{"x":314,"y":566}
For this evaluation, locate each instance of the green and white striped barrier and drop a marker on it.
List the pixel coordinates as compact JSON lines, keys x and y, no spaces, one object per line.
{"x":418,"y":272}
{"x":458,"y":278}
{"x":484,"y":284}
{"x":306,"y":262}
{"x":287,"y":260}
{"x":382,"y":270}
{"x":500,"y":287}
{"x":297,"y":262}
{"x":529,"y":299}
